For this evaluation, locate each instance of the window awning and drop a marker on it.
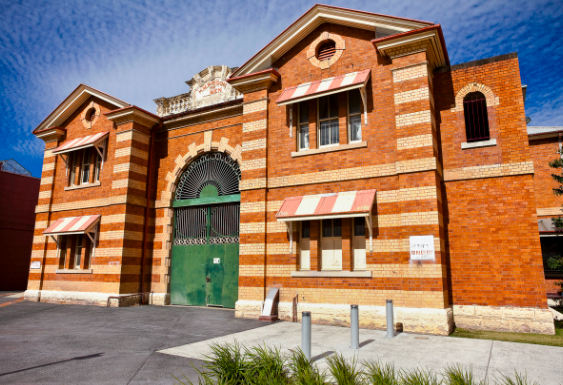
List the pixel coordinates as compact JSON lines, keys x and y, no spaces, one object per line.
{"x":324,"y":87}
{"x":73,"y":225}
{"x":325,"y":206}
{"x":80,"y":143}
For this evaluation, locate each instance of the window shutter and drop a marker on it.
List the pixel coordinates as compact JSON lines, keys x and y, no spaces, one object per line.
{"x":326,"y":51}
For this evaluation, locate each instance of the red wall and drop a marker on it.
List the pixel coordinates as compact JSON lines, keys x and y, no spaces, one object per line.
{"x":18,"y":197}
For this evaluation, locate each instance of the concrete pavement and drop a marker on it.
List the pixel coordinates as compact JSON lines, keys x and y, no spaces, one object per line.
{"x":44,"y":343}
{"x":487,"y":359}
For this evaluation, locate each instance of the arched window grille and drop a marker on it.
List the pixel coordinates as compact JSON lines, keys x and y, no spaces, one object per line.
{"x":476,"y":117}
{"x":214,"y":169}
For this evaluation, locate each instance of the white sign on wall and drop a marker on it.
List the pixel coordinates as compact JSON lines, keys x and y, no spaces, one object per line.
{"x":35,"y":265}
{"x":216,"y":260}
{"x":422,"y":248}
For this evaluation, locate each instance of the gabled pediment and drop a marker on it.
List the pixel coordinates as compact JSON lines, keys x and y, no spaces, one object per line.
{"x":73,"y":102}
{"x":382,"y":25}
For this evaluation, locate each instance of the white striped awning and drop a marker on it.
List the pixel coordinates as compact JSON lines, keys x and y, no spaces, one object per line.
{"x":323,"y":87}
{"x":347,"y":204}
{"x":94,"y":140}
{"x":73,"y":225}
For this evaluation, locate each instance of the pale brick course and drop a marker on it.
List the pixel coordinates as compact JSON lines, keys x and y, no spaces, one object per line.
{"x":410,"y":72}
{"x":489,"y":171}
{"x":414,"y":118}
{"x":254,"y":126}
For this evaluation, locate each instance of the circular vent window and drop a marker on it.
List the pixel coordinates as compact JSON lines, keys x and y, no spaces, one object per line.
{"x":326,"y":50}
{"x":90,"y":114}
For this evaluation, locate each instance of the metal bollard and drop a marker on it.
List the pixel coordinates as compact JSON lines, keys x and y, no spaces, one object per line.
{"x":390,"y":323}
{"x":355,"y":326}
{"x":306,"y":334}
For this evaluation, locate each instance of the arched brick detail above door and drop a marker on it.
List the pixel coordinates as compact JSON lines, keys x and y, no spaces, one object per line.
{"x":492,"y":100}
{"x":194,"y":150}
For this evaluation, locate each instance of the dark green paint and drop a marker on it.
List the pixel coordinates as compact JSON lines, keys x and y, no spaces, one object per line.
{"x":207,"y":201}
{"x":209,"y":191}
{"x":197,"y":280}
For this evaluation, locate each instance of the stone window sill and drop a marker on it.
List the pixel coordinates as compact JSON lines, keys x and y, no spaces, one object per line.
{"x":481,"y":143}
{"x":86,"y":185}
{"x":323,"y":150}
{"x":331,"y":274}
{"x":73,"y":271}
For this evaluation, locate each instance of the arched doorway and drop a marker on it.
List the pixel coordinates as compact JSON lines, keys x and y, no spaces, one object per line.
{"x":204,"y":269}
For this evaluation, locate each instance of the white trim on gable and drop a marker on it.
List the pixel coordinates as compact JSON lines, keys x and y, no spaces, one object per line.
{"x":75,"y":100}
{"x":316,"y":16}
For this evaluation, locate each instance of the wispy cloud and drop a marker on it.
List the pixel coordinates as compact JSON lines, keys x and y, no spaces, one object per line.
{"x":141,"y":50}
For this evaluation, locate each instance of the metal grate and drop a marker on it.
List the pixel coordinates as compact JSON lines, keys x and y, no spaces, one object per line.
{"x":214,"y":169}
{"x":476,"y":117}
{"x":326,"y":51}
{"x":191,"y":226}
{"x":207,"y":225}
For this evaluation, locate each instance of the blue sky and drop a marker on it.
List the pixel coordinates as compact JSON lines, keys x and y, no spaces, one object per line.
{"x":141,"y":50}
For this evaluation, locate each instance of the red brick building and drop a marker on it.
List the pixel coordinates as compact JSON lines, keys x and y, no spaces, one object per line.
{"x":347,"y":162}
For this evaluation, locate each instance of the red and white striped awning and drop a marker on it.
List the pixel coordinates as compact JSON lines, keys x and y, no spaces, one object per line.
{"x":73,"y":225}
{"x":323,"y":87}
{"x":80,"y":143}
{"x":325,"y":206}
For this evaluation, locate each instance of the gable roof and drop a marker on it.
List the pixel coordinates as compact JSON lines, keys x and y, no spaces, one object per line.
{"x":72,"y":102}
{"x":317,"y":15}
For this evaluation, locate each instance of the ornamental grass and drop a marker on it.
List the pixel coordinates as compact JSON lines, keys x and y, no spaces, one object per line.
{"x":233,"y":364}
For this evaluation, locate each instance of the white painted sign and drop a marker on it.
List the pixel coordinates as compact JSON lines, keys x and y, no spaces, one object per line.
{"x":36,"y":265}
{"x":422,"y":248}
{"x":216,"y":260}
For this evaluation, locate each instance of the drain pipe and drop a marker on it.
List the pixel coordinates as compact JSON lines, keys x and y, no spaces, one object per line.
{"x":147,"y":197}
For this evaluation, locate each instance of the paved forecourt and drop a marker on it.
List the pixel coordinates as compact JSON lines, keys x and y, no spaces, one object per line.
{"x":45,"y":343}
{"x":488,"y":359}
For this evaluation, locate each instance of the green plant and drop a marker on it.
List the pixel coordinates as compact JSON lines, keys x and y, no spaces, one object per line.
{"x":457,"y":375}
{"x":519,"y":379}
{"x":419,"y":377}
{"x":377,"y":373}
{"x":303,"y":371}
{"x":344,"y":372}
{"x":265,"y":366}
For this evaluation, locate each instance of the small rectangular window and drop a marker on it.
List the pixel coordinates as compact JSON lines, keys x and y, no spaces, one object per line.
{"x":337,"y":227}
{"x":97,"y":168}
{"x":355,"y":115}
{"x":359,"y":227}
{"x":78,"y":252}
{"x":327,"y":228}
{"x":87,"y":160}
{"x":73,"y":164}
{"x":304,"y":125}
{"x":305,"y":229}
{"x":328,"y":121}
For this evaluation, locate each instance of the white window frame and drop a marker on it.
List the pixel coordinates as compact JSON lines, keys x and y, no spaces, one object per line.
{"x":319,"y":120}
{"x":359,"y":246}
{"x":349,"y":116}
{"x":299,"y":124}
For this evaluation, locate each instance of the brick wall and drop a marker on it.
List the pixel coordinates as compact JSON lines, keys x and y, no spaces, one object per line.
{"x":488,"y":194}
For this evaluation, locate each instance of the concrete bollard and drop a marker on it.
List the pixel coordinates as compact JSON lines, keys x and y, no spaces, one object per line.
{"x":390,"y":323}
{"x":355,"y":326}
{"x":306,"y":334}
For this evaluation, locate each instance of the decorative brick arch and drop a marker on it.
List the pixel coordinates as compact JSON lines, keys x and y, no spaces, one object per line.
{"x":194,"y":151}
{"x":475,"y":87}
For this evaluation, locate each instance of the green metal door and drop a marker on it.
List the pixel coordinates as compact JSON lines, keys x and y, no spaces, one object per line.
{"x":205,"y":252}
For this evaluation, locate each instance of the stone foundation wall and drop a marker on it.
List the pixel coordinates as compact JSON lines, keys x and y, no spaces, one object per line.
{"x":79,"y":298}
{"x":413,"y":320}
{"x":504,"y":319}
